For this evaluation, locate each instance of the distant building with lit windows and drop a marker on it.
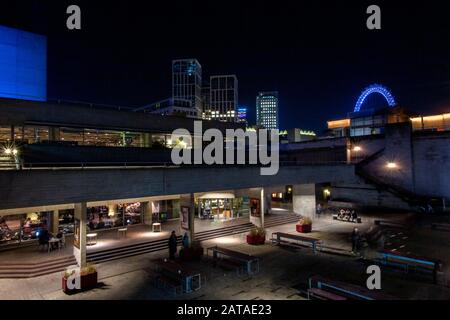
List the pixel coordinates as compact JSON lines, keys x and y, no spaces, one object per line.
{"x":223,"y":99}
{"x":187,"y":83}
{"x":267,"y":110}
{"x":242,"y":115}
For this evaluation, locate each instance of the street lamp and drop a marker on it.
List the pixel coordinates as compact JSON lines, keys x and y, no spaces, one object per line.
{"x":391,"y":165}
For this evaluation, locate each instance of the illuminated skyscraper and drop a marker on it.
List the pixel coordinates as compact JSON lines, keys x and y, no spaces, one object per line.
{"x":223,"y":98}
{"x":187,"y":83}
{"x":267,"y":110}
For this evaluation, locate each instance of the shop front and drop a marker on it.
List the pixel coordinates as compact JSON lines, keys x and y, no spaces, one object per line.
{"x":114,"y":215}
{"x":22,"y":228}
{"x":221,"y":206}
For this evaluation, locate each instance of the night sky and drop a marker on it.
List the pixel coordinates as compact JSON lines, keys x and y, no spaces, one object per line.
{"x":319,"y":55}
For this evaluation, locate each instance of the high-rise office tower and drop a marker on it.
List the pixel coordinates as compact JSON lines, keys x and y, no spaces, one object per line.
{"x":206,"y":94}
{"x":267,"y":110}
{"x":187,"y":83}
{"x":242,"y":115}
{"x":223,"y":98}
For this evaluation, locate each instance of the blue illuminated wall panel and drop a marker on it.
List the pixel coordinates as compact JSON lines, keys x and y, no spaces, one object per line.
{"x":23,"y":65}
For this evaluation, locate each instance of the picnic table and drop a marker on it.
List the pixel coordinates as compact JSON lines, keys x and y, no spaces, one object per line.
{"x":246,"y":259}
{"x":283,"y":238}
{"x":410,"y":262}
{"x":346,"y":290}
{"x":189,"y":277}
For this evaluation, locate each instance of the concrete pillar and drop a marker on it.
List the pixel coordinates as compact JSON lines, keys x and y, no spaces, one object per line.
{"x":148,"y":214}
{"x":79,"y":248}
{"x":53,"y":134}
{"x":189,"y":202}
{"x":304,"y":200}
{"x":146,"y":141}
{"x":54,"y":221}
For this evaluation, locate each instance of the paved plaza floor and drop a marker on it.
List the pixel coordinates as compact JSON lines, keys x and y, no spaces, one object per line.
{"x":283,"y":270}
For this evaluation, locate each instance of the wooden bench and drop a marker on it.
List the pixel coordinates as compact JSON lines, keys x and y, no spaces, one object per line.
{"x":441,"y":226}
{"x":395,"y":224}
{"x":229,"y":264}
{"x":323,"y":295}
{"x":250,"y":263}
{"x":409,"y":263}
{"x":169,"y":284}
{"x":345,"y":290}
{"x":281,"y":238}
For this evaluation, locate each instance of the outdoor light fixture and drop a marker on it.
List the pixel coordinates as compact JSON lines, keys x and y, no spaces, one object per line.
{"x":356,"y":148}
{"x":14,"y":152}
{"x":391,"y":165}
{"x":8,"y":151}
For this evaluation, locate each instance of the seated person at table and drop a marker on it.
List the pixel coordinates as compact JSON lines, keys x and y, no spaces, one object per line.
{"x":100,"y":224}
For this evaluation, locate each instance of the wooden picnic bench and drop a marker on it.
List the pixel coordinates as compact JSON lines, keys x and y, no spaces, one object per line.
{"x":170,"y":284}
{"x":346,"y":290}
{"x":441,"y":226}
{"x":409,"y":262}
{"x":388,"y":223}
{"x":323,"y":295}
{"x":188,"y":278}
{"x":295,"y":240}
{"x":241,"y":261}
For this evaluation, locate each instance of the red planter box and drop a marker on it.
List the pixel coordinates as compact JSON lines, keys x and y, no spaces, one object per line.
{"x":303,"y":228}
{"x":255,"y":240}
{"x":87,"y":281}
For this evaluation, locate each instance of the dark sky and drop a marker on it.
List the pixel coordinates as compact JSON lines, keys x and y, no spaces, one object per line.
{"x":319,"y":55}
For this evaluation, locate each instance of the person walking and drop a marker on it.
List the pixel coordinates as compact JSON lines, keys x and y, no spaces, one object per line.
{"x":172,"y":245}
{"x":355,"y":240}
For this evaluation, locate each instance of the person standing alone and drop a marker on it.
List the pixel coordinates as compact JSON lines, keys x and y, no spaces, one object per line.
{"x":172,"y":245}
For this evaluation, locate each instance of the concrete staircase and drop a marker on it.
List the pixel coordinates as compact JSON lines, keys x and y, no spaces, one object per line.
{"x":7,"y":162}
{"x":161,"y":244}
{"x":413,"y":199}
{"x":35,"y":269}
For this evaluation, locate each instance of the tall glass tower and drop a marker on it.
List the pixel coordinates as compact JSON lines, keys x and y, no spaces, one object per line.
{"x":223,"y":98}
{"x":267,"y":110}
{"x":187,"y":83}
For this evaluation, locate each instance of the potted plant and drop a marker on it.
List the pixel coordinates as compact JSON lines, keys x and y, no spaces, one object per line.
{"x":88,"y":279}
{"x":304,"y":225}
{"x":193,"y":252}
{"x":256,"y":236}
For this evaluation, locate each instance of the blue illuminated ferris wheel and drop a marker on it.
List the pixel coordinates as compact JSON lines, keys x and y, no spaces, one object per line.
{"x":375,"y":88}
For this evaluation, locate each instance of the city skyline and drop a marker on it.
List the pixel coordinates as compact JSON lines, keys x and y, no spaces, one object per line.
{"x":318,"y":71}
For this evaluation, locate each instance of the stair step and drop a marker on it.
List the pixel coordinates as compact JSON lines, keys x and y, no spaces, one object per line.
{"x":29,"y":270}
{"x":158,"y":245}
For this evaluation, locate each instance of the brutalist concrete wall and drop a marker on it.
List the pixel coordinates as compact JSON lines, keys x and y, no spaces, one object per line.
{"x":432,"y":164}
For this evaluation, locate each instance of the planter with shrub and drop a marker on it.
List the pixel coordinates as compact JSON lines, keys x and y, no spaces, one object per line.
{"x":257,"y":236}
{"x":304,"y":225}
{"x":88,"y":279}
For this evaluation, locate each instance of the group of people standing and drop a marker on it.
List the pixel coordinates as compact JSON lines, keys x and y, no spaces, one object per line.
{"x":173,"y":244}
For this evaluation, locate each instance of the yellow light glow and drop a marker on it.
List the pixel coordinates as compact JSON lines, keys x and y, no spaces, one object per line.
{"x":391,"y":165}
{"x":356,"y":148}
{"x":274,"y":195}
{"x":8,"y":151}
{"x":326,"y":192}
{"x":342,"y":123}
